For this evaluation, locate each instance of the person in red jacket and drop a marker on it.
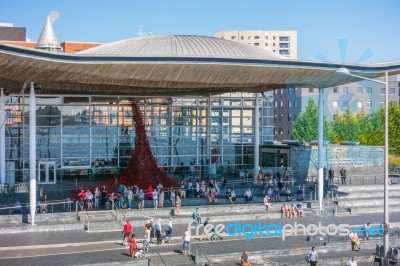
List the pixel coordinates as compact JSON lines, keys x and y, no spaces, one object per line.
{"x":82,"y":196}
{"x":150,"y":193}
{"x":126,"y":232}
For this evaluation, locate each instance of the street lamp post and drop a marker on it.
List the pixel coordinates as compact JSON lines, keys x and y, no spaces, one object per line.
{"x":345,"y":71}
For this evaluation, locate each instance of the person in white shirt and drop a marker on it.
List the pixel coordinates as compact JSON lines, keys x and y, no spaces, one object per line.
{"x":186,"y":242}
{"x":352,"y":262}
{"x":247,"y":195}
{"x":170,"y":227}
{"x":155,"y":198}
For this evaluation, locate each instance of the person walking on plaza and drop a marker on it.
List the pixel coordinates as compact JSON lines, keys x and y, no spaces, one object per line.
{"x":312,"y":257}
{"x":186,"y":242}
{"x":355,"y":242}
{"x":170,"y":227}
{"x":132,"y":245}
{"x":178,"y":203}
{"x":126,"y":232}
{"x":352,"y":262}
{"x":343,"y":175}
{"x":158,"y":231}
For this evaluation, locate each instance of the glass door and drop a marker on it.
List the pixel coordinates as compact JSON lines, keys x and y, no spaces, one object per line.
{"x":47,"y":173}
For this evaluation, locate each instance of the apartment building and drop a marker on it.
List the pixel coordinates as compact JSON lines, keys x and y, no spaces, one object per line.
{"x":283,"y":43}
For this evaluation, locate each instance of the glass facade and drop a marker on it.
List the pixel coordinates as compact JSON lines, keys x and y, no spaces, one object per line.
{"x":93,"y":136}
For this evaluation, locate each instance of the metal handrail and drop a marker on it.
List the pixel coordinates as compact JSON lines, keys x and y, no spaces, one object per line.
{"x":159,"y":255}
{"x":87,"y":221}
{"x":348,"y":201}
{"x":203,"y":255}
{"x":117,"y":212}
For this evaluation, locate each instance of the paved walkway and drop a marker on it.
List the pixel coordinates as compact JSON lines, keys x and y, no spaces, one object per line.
{"x":80,"y":247}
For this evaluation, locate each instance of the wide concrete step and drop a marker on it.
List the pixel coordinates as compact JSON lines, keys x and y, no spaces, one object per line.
{"x":139,"y":221}
{"x":376,"y":209}
{"x":366,"y":202}
{"x":368,"y":194}
{"x":367,"y":188}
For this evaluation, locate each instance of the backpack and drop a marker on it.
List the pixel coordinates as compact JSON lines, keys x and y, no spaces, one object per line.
{"x":306,"y":258}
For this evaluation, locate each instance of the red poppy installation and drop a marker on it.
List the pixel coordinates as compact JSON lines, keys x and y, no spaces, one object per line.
{"x":142,"y":169}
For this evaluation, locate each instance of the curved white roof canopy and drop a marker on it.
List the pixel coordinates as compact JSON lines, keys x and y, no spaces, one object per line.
{"x":171,"y":65}
{"x":181,"y":46}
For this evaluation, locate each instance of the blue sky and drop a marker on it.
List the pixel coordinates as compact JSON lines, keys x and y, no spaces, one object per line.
{"x":338,"y":30}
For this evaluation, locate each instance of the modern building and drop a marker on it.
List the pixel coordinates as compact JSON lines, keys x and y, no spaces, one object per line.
{"x":287,"y":103}
{"x":69,"y":116}
{"x":283,"y":43}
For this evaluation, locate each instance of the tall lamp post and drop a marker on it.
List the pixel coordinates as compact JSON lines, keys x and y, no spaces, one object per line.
{"x":345,"y":71}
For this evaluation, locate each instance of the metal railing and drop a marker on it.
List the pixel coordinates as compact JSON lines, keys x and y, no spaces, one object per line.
{"x":347,"y":203}
{"x":200,"y":257}
{"x":118,"y":213}
{"x":156,"y":258}
{"x":43,"y":207}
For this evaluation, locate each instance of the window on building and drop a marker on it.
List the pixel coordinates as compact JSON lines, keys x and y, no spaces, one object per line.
{"x":233,"y":37}
{"x":289,"y":117}
{"x":382,"y":91}
{"x":392,"y":91}
{"x":345,"y":90}
{"x":280,"y":117}
{"x":266,"y":44}
{"x":382,"y":104}
{"x":359,"y":104}
{"x":280,"y":131}
{"x":295,"y":103}
{"x":257,"y":37}
{"x":275,"y":104}
{"x":274,"y":37}
{"x":274,"y":51}
{"x":242,"y":37}
{"x":248,"y":37}
{"x":345,"y":104}
{"x":275,"y":117}
{"x":222,"y":37}
{"x":284,"y":38}
{"x":369,"y":90}
{"x":294,"y":117}
{"x":256,"y":44}
{"x":284,"y":52}
{"x":368,"y":104}
{"x":359,"y":90}
{"x":266,"y":37}
{"x":335,"y":104}
{"x":274,"y":44}
{"x":335,"y":89}
{"x":311,"y":90}
{"x":275,"y":131}
{"x":290,"y":104}
{"x":282,"y":91}
{"x":284,"y":45}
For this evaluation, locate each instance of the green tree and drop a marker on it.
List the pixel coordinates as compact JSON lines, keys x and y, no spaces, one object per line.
{"x":371,"y":130}
{"x":347,"y":126}
{"x":306,"y":125}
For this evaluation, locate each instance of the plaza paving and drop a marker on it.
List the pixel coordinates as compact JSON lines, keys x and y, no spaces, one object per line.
{"x":77,"y":247}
